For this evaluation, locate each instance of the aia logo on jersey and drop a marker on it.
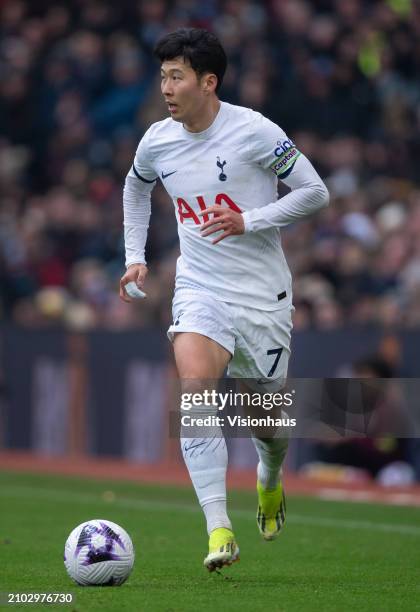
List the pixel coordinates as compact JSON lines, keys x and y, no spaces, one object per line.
{"x":221,"y":165}
{"x":186,"y":211}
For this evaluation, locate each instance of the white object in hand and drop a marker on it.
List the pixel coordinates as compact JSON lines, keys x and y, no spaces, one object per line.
{"x":133,"y":291}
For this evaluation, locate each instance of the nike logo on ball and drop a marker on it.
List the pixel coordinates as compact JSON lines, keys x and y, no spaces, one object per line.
{"x":164,"y":176}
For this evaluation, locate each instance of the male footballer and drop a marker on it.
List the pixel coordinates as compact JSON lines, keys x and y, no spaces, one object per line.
{"x":232,"y":306}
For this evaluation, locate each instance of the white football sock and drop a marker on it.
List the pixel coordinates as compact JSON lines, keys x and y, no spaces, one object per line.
{"x":271,"y":452}
{"x":206,"y":458}
{"x":216,"y":515}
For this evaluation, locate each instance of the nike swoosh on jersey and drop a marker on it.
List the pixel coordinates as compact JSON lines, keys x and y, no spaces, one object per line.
{"x":164,"y":176}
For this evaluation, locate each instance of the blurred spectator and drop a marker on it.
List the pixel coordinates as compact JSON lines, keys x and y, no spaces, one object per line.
{"x":79,"y":87}
{"x":391,"y":460}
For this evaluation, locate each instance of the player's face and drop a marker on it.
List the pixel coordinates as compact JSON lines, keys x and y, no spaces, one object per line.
{"x":184,"y":93}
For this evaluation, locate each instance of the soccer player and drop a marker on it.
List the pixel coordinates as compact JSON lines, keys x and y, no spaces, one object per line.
{"x":232,"y":306}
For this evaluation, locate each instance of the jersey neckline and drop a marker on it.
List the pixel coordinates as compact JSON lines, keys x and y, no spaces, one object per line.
{"x":211,"y":129}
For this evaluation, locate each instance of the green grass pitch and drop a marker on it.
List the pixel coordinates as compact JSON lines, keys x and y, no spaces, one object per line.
{"x":331,"y":556}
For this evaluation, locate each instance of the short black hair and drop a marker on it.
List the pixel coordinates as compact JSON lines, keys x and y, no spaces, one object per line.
{"x":200,"y":47}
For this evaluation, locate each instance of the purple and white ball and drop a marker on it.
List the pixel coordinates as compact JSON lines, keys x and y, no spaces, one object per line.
{"x":99,"y":552}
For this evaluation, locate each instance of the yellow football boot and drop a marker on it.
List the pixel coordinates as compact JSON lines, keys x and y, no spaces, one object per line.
{"x":271,"y":512}
{"x":223,"y":549}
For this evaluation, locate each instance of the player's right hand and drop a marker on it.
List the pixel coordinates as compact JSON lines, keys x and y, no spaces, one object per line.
{"x":137,"y":273}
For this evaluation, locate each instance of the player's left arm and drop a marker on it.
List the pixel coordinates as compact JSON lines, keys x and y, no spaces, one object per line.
{"x":271,"y":149}
{"x":274,"y":151}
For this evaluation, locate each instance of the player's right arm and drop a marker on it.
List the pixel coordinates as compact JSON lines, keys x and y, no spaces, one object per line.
{"x":138,"y":186}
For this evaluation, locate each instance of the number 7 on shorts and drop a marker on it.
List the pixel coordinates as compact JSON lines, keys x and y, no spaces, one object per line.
{"x":277,"y":352}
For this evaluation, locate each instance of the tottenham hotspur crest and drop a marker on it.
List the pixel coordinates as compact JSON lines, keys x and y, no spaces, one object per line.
{"x":222,"y":175}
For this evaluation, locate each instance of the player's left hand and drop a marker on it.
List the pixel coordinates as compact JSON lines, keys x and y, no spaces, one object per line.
{"x":224,"y":219}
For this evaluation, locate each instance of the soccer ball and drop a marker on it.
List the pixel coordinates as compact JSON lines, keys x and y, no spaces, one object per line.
{"x":99,"y":552}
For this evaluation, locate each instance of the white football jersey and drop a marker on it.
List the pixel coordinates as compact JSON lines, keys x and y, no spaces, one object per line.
{"x":234,"y":163}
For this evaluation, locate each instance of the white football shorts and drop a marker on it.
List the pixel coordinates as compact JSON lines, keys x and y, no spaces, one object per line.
{"x":258,"y":340}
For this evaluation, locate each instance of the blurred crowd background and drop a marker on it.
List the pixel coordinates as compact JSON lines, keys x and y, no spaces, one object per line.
{"x":79,"y":86}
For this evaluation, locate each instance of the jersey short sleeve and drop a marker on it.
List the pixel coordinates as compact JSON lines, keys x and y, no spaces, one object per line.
{"x":271,"y":148}
{"x":142,"y":166}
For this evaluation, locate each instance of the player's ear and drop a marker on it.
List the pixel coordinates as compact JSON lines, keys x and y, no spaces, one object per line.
{"x":209,"y":83}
